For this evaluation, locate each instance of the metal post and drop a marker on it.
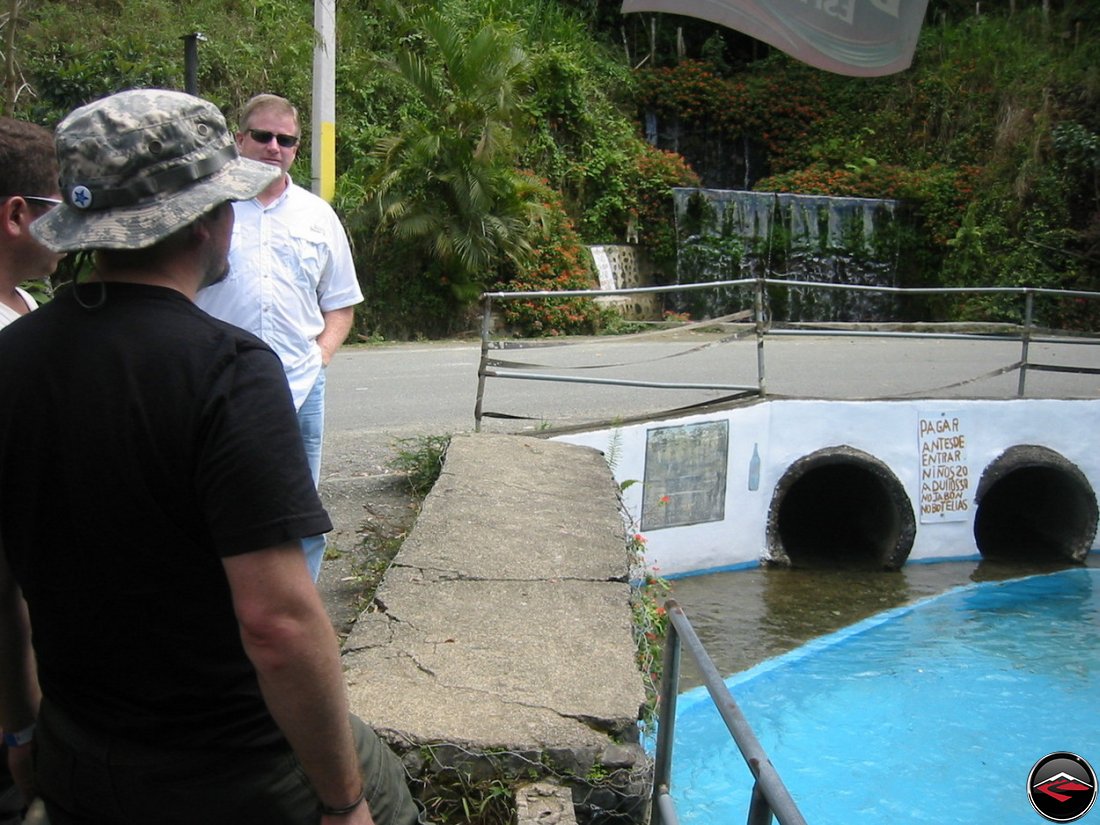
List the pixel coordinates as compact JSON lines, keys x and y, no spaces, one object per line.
{"x":758,"y":301}
{"x":323,"y":157}
{"x":486,"y":324}
{"x":760,"y":812}
{"x":191,"y":61}
{"x":1025,"y":339}
{"x":666,"y":715}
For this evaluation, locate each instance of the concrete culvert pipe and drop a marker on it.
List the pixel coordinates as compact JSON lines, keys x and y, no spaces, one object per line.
{"x":840,"y":507}
{"x":1034,"y":504}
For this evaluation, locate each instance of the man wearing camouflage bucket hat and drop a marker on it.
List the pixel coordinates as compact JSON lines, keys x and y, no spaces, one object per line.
{"x":183,"y":667}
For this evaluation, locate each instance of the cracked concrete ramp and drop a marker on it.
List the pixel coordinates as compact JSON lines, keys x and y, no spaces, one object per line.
{"x":504,"y":622}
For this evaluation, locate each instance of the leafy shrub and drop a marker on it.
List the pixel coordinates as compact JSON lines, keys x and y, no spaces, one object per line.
{"x":776,"y":102}
{"x":560,"y":262}
{"x":655,"y":215}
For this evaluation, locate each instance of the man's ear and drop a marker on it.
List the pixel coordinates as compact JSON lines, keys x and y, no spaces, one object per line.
{"x":15,"y":217}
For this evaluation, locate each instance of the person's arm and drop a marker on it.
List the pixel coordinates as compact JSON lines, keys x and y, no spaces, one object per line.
{"x":19,"y":694}
{"x":289,"y":638}
{"x":337,"y":326}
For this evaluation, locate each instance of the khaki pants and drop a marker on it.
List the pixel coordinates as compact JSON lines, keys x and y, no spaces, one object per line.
{"x":88,"y":780}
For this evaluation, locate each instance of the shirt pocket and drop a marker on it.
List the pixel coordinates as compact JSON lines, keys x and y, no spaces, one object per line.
{"x":306,"y":255}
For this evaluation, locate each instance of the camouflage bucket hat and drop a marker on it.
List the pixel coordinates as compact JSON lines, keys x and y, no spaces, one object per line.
{"x":138,"y":165}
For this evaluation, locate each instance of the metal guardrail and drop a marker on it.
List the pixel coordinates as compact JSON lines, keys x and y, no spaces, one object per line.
{"x":770,"y":796}
{"x":1026,"y":331}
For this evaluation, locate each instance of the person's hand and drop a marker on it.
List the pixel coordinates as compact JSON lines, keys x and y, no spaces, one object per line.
{"x":22,"y":770}
{"x":360,"y":816}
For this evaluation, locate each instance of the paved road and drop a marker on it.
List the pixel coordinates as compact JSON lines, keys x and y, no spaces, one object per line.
{"x":377,"y":394}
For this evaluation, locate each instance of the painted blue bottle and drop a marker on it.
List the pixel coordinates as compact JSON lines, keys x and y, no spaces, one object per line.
{"x":754,"y":469}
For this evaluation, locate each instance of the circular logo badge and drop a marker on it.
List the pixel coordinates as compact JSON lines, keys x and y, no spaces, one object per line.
{"x":81,"y":197}
{"x":1062,"y":787}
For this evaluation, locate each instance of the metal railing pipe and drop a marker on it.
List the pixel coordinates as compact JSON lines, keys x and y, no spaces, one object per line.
{"x":774,"y":793}
{"x":664,"y":811}
{"x":634,"y":290}
{"x":620,"y":382}
{"x":762,"y":328}
{"x":758,"y":312}
{"x":1025,"y":340}
{"x":486,"y":327}
{"x":666,"y":726}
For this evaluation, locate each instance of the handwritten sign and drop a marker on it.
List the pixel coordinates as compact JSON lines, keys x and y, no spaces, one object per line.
{"x":944,"y":473}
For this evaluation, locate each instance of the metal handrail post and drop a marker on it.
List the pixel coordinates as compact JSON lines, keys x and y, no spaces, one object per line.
{"x":1025,"y":339}
{"x":486,"y":324}
{"x":666,"y":719}
{"x":663,"y":803}
{"x":758,"y":301}
{"x":760,"y":812}
{"x":782,"y":805}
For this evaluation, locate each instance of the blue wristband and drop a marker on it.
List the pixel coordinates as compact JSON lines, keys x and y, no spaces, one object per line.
{"x":19,"y":737}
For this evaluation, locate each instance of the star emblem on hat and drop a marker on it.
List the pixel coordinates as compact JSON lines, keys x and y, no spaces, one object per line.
{"x":81,"y":197}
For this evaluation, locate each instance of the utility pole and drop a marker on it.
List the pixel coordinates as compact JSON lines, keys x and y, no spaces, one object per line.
{"x":191,"y":61}
{"x":324,"y":104}
{"x":11,"y":72}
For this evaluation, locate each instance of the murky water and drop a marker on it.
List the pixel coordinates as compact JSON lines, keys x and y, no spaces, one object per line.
{"x":747,"y":616}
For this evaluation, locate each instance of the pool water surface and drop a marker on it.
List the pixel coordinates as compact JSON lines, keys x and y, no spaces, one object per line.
{"x":933,"y":712}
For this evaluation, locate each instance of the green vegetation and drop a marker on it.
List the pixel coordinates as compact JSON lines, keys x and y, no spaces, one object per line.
{"x":421,"y":460}
{"x":482,"y":143}
{"x":990,"y":139}
{"x":648,"y":593}
{"x":466,"y":790}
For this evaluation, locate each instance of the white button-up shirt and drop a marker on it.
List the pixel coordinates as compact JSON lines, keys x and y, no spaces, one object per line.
{"x":289,"y":262}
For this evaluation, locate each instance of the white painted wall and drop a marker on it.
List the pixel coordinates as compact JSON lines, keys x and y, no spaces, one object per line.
{"x":788,"y":430}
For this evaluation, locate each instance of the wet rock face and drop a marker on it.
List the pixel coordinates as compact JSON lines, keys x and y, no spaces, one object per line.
{"x":812,"y":238}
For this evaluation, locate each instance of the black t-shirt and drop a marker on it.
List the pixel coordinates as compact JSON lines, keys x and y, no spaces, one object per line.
{"x":140,"y":442}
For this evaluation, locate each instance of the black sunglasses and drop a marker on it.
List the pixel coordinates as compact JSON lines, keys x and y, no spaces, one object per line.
{"x":49,"y":203}
{"x":261,"y":136}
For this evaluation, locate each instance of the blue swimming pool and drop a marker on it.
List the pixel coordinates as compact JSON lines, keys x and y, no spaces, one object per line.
{"x":929,"y":713}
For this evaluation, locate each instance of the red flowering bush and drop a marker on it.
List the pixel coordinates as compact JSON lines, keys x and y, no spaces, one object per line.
{"x":778,"y":104}
{"x":559,"y":262}
{"x":658,"y":173}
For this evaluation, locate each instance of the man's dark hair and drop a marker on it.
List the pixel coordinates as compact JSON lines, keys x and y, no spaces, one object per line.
{"x":28,"y":162}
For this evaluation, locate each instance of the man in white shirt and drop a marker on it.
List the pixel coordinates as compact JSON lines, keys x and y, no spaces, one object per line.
{"x":291,"y":280}
{"x":28,"y":189}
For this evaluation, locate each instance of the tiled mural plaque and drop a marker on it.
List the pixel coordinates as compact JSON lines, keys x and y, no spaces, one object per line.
{"x":685,"y":475}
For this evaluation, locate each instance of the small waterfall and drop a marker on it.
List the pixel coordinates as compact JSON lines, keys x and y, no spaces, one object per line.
{"x":604,"y":268}
{"x":622,"y":266}
{"x":730,"y":234}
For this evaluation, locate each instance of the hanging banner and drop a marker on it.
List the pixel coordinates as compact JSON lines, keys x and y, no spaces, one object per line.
{"x":861,"y":38}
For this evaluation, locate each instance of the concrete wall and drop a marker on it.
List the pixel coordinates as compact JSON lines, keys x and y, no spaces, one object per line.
{"x":910,"y":472}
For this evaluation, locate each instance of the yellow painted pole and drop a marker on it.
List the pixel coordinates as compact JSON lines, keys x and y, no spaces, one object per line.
{"x":324,"y":104}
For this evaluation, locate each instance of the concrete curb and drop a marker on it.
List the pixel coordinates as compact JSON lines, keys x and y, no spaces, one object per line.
{"x":502,"y":633}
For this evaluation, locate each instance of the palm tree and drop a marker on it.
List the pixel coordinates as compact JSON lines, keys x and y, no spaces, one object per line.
{"x":447,"y":181}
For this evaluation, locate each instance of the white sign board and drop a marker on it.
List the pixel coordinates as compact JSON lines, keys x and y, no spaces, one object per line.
{"x":945,"y":493}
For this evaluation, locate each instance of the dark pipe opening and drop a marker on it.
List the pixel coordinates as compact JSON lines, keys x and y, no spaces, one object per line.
{"x":840,"y":507}
{"x":1034,"y":505}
